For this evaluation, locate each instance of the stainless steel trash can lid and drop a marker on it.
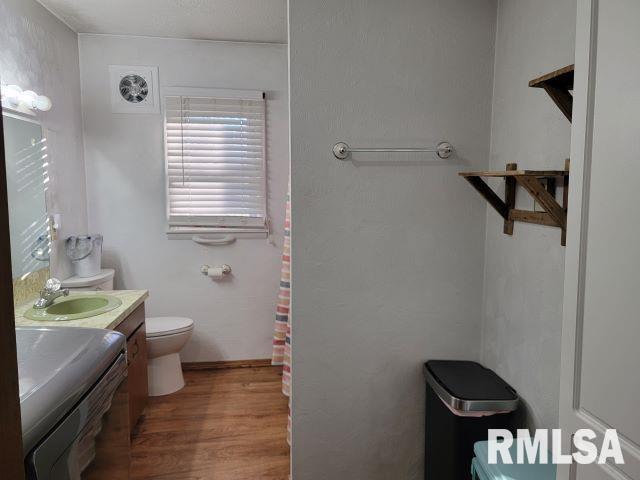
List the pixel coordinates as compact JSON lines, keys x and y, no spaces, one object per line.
{"x":469,"y":387}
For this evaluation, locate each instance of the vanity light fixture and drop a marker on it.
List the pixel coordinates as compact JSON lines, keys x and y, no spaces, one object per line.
{"x":15,"y":97}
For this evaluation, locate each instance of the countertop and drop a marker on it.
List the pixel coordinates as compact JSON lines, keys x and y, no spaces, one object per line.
{"x":131,"y":299}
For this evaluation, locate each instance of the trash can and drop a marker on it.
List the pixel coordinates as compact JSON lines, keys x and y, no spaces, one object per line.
{"x":481,"y":469}
{"x":464,"y":401}
{"x":85,"y":253}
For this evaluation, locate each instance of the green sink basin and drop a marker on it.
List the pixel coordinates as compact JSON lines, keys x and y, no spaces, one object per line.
{"x":75,"y":307}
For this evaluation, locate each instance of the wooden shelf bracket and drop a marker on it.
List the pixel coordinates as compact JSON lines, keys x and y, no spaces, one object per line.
{"x":558,"y":85}
{"x":540,"y":184}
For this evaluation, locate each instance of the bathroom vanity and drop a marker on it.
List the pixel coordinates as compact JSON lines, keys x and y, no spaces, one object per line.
{"x":128,"y":319}
{"x":133,"y":327}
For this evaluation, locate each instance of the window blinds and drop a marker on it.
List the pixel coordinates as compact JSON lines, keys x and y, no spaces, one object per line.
{"x":215,"y":160}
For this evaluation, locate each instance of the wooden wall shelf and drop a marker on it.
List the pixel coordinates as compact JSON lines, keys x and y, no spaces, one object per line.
{"x":540,"y":184}
{"x":558,"y":86}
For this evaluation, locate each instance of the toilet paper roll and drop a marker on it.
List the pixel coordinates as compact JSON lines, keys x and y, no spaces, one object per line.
{"x":215,"y":272}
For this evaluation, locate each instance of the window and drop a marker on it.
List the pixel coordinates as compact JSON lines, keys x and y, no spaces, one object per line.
{"x":215,"y":161}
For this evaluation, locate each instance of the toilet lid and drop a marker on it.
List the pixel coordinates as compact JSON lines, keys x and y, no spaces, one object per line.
{"x":160,"y":326}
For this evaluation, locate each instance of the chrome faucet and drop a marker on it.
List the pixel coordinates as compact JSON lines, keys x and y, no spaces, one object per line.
{"x":49,"y":293}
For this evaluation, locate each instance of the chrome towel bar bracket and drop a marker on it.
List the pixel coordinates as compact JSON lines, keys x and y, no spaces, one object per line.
{"x":342,"y":151}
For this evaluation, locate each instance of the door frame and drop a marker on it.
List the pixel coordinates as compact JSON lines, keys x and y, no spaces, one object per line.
{"x":572,"y":416}
{"x":11,"y":454}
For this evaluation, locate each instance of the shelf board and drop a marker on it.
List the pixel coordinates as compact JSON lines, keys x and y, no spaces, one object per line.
{"x":558,"y":85}
{"x":540,"y":184}
{"x":562,"y":77}
{"x":518,"y":173}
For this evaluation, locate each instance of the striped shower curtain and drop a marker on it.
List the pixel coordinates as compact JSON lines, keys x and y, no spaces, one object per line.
{"x":282,"y":337}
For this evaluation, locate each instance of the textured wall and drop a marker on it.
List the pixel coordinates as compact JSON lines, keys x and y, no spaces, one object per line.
{"x":38,"y":52}
{"x":387,"y":268}
{"x":524,"y":274}
{"x":126,"y":190}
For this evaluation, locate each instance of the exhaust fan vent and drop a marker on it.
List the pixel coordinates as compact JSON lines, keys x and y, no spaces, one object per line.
{"x":134,"y":89}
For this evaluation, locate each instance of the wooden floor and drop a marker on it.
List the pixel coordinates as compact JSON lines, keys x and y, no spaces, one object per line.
{"x":224,"y":425}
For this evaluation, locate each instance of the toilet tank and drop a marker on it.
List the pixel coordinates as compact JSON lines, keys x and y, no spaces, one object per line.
{"x":102,"y":281}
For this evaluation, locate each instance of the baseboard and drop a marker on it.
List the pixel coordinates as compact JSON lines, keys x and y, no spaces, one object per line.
{"x":222,"y":364}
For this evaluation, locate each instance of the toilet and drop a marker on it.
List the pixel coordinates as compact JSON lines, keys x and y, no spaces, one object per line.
{"x":165,"y":338}
{"x":101,"y":281}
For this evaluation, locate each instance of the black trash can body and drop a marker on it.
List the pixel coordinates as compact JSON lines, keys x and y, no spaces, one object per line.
{"x":464,"y":400}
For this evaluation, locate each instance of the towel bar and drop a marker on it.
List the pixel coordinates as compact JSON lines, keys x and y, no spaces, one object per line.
{"x":342,"y":150}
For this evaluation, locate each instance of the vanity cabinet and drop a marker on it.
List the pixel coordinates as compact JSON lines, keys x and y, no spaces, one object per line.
{"x":134,"y":328}
{"x":138,"y":387}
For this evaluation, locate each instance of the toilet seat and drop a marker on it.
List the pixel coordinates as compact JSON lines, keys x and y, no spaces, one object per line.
{"x":164,"y":326}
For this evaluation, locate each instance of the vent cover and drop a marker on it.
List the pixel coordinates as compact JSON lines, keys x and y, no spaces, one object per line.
{"x":134,"y":89}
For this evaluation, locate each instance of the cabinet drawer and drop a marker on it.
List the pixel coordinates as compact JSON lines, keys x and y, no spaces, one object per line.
{"x":137,"y":381}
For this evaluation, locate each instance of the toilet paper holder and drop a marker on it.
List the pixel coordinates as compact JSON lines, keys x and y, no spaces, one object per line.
{"x":204,"y":269}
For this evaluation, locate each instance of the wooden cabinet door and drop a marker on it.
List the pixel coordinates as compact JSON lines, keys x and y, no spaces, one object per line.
{"x":138,"y":386}
{"x":134,"y":328}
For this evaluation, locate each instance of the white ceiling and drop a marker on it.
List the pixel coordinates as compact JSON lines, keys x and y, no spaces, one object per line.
{"x":231,"y":20}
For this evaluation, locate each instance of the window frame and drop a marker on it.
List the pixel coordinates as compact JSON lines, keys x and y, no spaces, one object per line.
{"x":188,"y":231}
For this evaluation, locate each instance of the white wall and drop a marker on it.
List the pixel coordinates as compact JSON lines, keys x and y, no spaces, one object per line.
{"x":125,"y":170}
{"x":387,"y":269}
{"x":523,"y":285}
{"x":38,"y":52}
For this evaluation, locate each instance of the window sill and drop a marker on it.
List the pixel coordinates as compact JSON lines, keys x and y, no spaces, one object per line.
{"x":188,"y":233}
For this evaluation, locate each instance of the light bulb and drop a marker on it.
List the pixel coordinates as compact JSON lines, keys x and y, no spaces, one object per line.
{"x":12,"y":94}
{"x":28,"y":98}
{"x":43,"y":103}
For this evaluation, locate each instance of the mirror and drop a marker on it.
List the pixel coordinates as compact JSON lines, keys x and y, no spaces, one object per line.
{"x":27,"y":179}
